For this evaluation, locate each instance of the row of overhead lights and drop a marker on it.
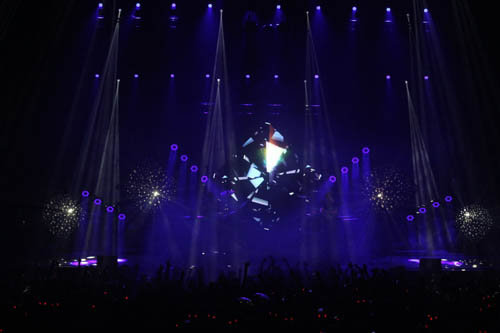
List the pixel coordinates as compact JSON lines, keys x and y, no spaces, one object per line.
{"x":109,"y":209}
{"x":247,"y":76}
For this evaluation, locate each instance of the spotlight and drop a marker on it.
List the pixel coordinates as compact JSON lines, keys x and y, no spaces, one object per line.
{"x":410,"y":218}
{"x":332,"y":179}
{"x":97,"y":76}
{"x":207,"y":76}
{"x":194,"y":168}
{"x":276,"y":76}
{"x":366,"y":150}
{"x":435,"y":204}
{"x":388,"y":77}
{"x":184,"y":158}
{"x":136,"y":75}
{"x":173,"y":5}
{"x":316,"y":76}
{"x":247,"y":76}
{"x":100,"y":5}
{"x":318,"y":7}
{"x":354,"y":8}
{"x":138,"y":5}
{"x":422,"y":210}
{"x":344,"y":170}
{"x":85,"y":194}
{"x":355,"y":160}
{"x":172,"y":76}
{"x":388,"y":10}
{"x":426,"y":77}
{"x":426,"y":10}
{"x":209,"y":5}
{"x":97,"y":202}
{"x":110,"y":209}
{"x":448,"y":198}
{"x":204,"y":179}
{"x":278,"y":7}
{"x":174,"y":147}
{"x":122,"y":217}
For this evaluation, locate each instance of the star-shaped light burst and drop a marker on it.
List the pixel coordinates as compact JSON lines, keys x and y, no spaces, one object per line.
{"x":387,"y":189}
{"x":62,"y":215}
{"x":149,"y":187}
{"x":474,"y":222}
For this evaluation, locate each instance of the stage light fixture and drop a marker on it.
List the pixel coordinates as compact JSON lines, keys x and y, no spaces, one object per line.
{"x":365,"y":150}
{"x":344,"y":170}
{"x":85,"y":194}
{"x":448,"y":198}
{"x":316,"y":76}
{"x":435,"y":204}
{"x":136,"y":75}
{"x":172,"y":76}
{"x":354,"y":8}
{"x":184,"y":158}
{"x":247,"y":76}
{"x":138,"y":5}
{"x":209,"y":5}
{"x":194,"y":168}
{"x":97,"y":76}
{"x":355,"y":160}
{"x":410,"y":218}
{"x":173,"y":5}
{"x":207,"y":76}
{"x":388,"y":77}
{"x":204,"y":179}
{"x":174,"y":147}
{"x":388,"y":9}
{"x":278,"y":6}
{"x":426,"y":77}
{"x":332,"y":179}
{"x":100,"y":5}
{"x":110,"y":209}
{"x":122,"y":217}
{"x":422,"y":210}
{"x":97,"y":202}
{"x":318,"y":7}
{"x":426,"y":10}
{"x":276,"y":76}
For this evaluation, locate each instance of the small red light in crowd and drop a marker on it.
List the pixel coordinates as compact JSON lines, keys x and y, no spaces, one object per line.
{"x":14,"y":307}
{"x":364,"y":301}
{"x":235,"y":321}
{"x":209,"y":315}
{"x":436,"y":317}
{"x":480,"y":309}
{"x":189,"y":315}
{"x":126,"y":298}
{"x":291,"y":318}
{"x":357,"y":301}
{"x":270,"y":313}
{"x":39,"y":303}
{"x":430,"y":318}
{"x":285,"y":318}
{"x":105,"y":293}
{"x":93,"y":306}
{"x":57,"y":304}
{"x":230,"y":322}
{"x":214,"y":317}
{"x":325,"y":315}
{"x":319,"y":315}
{"x":276,"y":315}
{"x":176,"y":325}
{"x":44,"y":303}
{"x":195,"y":315}
{"x":426,"y":326}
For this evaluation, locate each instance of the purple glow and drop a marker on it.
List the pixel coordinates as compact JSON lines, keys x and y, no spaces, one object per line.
{"x":207,"y":76}
{"x":355,"y":160}
{"x":354,"y":8}
{"x":110,"y":209}
{"x":366,"y":150}
{"x":426,"y":10}
{"x":448,"y":198}
{"x":422,"y":210}
{"x":276,"y":76}
{"x":122,"y":217}
{"x":174,"y":147}
{"x":318,"y":7}
{"x":172,"y":76}
{"x":97,"y":202}
{"x":136,"y":75}
{"x":410,"y":218}
{"x":388,"y":77}
{"x":344,"y":170}
{"x":388,"y":10}
{"x":332,"y":179}
{"x":426,"y":77}
{"x":278,"y":7}
{"x":100,"y":5}
{"x":97,"y":76}
{"x":194,"y":168}
{"x":435,"y":204}
{"x":204,"y":179}
{"x":209,"y":5}
{"x":247,"y":76}
{"x":173,"y":6}
{"x":316,"y":76}
{"x":121,"y":260}
{"x":85,"y":194}
{"x":138,"y":5}
{"x":184,"y":158}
